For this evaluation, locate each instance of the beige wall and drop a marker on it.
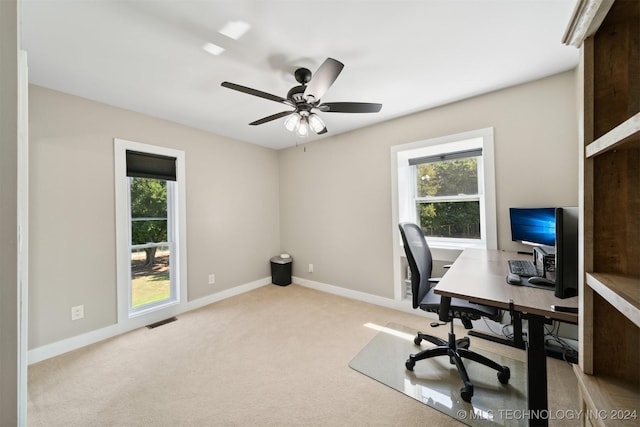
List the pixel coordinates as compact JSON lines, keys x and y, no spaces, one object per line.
{"x":232,"y":209}
{"x":335,"y":199}
{"x":8,"y":212}
{"x":327,"y":203}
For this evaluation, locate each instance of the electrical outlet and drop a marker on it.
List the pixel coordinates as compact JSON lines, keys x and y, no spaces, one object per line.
{"x":310,"y":268}
{"x":212,"y":279}
{"x":77,"y":312}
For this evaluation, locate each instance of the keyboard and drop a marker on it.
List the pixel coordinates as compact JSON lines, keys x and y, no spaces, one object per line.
{"x":522,"y":267}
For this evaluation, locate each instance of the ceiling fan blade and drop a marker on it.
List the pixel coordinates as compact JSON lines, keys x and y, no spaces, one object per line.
{"x":256,"y":92}
{"x":323,"y":79}
{"x":349,"y":107}
{"x":271,"y":117}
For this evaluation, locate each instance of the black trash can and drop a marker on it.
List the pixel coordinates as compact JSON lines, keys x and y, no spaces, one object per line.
{"x":281,"y":270}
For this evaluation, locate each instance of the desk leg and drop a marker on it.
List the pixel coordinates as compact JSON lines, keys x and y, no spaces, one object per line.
{"x":517,"y":331}
{"x":537,"y":373}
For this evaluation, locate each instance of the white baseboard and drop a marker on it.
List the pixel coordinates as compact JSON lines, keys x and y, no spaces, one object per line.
{"x":219,"y":296}
{"x":57,"y":348}
{"x":357,"y":295}
{"x":73,"y":343}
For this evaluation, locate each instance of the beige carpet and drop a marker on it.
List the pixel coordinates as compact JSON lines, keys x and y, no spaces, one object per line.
{"x":276,"y":356}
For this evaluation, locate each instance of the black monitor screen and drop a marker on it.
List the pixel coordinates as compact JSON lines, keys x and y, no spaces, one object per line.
{"x":533,"y":225}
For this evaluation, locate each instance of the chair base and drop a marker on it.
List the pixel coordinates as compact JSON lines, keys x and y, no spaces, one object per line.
{"x":456,"y":349}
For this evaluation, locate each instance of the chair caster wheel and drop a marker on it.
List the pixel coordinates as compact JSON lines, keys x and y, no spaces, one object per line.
{"x":504,"y":375}
{"x":463,"y":343}
{"x":466,"y":393}
{"x":409,"y":364}
{"x":417,"y":340}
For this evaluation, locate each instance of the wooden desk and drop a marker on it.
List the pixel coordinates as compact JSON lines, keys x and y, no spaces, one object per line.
{"x":480,"y":276}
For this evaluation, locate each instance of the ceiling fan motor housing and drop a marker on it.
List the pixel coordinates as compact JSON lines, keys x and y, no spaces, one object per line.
{"x":296,"y":94}
{"x":302,"y":75}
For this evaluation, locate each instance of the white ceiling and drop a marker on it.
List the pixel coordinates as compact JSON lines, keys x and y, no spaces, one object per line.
{"x":147,"y":56}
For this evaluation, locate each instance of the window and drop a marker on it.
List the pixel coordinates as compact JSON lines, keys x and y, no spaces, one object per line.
{"x":150,"y":230}
{"x":151,"y":242}
{"x":447,"y":186}
{"x":446,"y":194}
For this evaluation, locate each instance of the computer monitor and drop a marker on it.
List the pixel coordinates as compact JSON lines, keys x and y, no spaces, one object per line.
{"x":566,"y":252}
{"x":533,"y":226}
{"x":557,"y":230}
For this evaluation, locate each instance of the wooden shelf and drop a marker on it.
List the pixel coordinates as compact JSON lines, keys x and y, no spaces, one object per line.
{"x":622,"y":292}
{"x":607,"y":33}
{"x":618,"y":397}
{"x":628,"y":131}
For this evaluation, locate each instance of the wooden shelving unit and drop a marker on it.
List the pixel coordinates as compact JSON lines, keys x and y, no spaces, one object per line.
{"x":617,"y":137}
{"x":608,"y":35}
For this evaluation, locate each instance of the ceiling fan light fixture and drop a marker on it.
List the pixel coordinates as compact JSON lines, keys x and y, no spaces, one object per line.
{"x":303,"y":129}
{"x":292,"y":122}
{"x":315,"y":123}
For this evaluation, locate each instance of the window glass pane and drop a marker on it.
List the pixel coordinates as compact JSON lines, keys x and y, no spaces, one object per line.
{"x":448,"y":178}
{"x":148,"y":210}
{"x":450,"y":219}
{"x":150,"y":282}
{"x":150,"y":255}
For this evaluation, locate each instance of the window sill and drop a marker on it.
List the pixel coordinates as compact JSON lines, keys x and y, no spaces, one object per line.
{"x":453,"y":245}
{"x":442,"y":250}
{"x":449,"y":251}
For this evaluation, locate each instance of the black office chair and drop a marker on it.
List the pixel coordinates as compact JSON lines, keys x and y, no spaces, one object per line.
{"x":420,"y":264}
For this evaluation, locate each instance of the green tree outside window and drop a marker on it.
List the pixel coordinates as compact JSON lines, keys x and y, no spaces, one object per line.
{"x":148,"y":214}
{"x":446,"y":217}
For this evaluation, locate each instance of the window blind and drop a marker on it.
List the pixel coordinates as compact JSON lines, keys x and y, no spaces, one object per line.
{"x":476,"y":152}
{"x":145,"y":165}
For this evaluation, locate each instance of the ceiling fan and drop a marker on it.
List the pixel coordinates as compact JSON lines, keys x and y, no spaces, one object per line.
{"x":305,"y":99}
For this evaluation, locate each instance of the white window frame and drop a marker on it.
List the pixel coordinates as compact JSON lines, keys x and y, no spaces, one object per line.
{"x":152,"y":313}
{"x":403,"y":191}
